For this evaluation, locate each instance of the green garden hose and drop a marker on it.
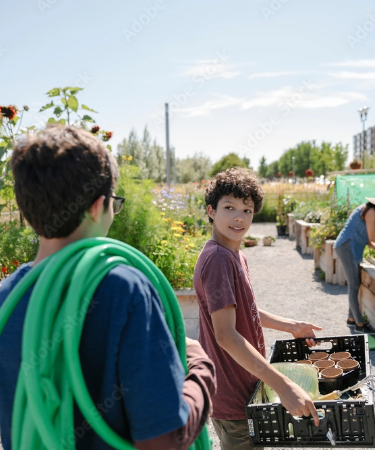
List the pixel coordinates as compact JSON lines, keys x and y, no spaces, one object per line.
{"x":64,"y":286}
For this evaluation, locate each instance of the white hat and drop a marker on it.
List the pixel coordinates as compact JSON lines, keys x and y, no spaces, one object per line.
{"x":371,"y":200}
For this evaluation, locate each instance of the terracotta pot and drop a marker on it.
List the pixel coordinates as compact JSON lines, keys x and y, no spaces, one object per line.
{"x":355,"y":165}
{"x":304,"y":361}
{"x":332,"y":372}
{"x":317,"y":356}
{"x":339,"y":356}
{"x":267,"y":242}
{"x":347,"y":364}
{"x":324,"y":364}
{"x":250,"y":242}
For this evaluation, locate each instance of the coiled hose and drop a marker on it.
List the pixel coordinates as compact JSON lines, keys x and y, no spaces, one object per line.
{"x":64,"y":286}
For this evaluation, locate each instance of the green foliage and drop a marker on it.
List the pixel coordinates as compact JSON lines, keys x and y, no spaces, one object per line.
{"x":327,"y":157}
{"x":310,"y":211}
{"x":332,"y":221}
{"x":262,"y":171}
{"x":69,"y":107}
{"x":139,"y":222}
{"x":18,"y":245}
{"x":267,"y":214}
{"x":193,"y":168}
{"x":227,"y":162}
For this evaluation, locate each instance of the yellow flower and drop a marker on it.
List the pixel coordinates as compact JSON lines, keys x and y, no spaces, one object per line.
{"x":123,"y":158}
{"x":177,"y":235}
{"x":181,"y":230}
{"x":163,"y":242}
{"x":186,"y":247}
{"x":192,"y":245}
{"x":177,"y":222}
{"x":130,"y":158}
{"x":162,"y":214}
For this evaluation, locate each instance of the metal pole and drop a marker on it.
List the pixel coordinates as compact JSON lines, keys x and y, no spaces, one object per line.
{"x":174,"y":165}
{"x":167,"y":146}
{"x":293,"y":174}
{"x":364,"y":143}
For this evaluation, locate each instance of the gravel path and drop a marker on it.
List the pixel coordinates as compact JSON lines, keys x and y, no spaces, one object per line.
{"x":285,"y":284}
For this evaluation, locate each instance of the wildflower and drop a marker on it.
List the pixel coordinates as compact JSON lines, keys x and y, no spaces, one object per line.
{"x":163,"y":242}
{"x":177,"y":235}
{"x":107,"y":136}
{"x":203,"y":181}
{"x":162,"y":214}
{"x":181,"y":230}
{"x":95,"y":129}
{"x":186,"y":247}
{"x":130,"y":158}
{"x":8,"y":112}
{"x":163,"y":209}
{"x":124,"y":158}
{"x":178,"y":222}
{"x":26,"y":108}
{"x":196,"y":183}
{"x":192,"y":245}
{"x":15,"y":263}
{"x":4,"y":269}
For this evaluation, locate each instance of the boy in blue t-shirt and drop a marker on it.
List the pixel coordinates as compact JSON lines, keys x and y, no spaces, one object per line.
{"x":64,"y":185}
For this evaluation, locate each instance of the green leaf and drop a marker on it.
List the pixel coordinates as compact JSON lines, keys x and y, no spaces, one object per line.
{"x":88,"y":109}
{"x":58,"y":111}
{"x":51,"y":120}
{"x":63,"y":101}
{"x":74,"y":90}
{"x":73,"y":103}
{"x":3,"y":144}
{"x":109,"y":147}
{"x":62,"y":122}
{"x":15,"y":120}
{"x":88,"y":118}
{"x":49,"y":105}
{"x":54,"y":92}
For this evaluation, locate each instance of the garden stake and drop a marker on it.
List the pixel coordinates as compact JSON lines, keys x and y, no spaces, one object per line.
{"x":64,"y":285}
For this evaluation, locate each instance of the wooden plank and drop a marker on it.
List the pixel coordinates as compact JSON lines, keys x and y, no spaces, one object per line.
{"x":368,"y":278}
{"x":329,"y":261}
{"x":366,"y":300}
{"x":340,"y":273}
{"x":316,"y":258}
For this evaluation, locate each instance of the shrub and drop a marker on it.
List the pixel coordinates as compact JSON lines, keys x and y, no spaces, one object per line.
{"x":18,"y":245}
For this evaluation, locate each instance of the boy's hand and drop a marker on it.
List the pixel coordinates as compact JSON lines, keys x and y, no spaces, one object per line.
{"x":297,"y":402}
{"x":306,"y":330}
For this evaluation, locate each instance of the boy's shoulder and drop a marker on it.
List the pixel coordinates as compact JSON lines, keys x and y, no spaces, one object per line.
{"x":214,"y":254}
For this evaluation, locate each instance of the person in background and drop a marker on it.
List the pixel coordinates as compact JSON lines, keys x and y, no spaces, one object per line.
{"x":230,"y":324}
{"x":358,"y":232}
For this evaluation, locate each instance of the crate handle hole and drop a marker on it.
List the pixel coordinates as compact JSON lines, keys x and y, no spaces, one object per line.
{"x":322,"y":346}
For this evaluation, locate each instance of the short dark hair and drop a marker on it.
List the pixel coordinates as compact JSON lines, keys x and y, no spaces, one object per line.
{"x":237,"y":181}
{"x":367,"y":207}
{"x":58,"y":175}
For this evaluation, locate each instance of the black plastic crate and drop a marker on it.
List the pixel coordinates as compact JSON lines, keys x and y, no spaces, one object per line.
{"x":352,"y":422}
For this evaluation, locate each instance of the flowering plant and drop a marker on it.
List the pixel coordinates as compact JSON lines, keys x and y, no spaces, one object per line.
{"x":68,"y":105}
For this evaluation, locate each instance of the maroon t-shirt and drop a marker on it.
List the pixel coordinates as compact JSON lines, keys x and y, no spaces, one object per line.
{"x":221,"y":278}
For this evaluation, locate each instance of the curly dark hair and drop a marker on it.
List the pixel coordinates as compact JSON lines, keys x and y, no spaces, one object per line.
{"x":58,"y":175}
{"x":237,"y":181}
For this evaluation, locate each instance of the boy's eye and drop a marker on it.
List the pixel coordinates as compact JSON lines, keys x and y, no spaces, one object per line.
{"x":248,"y":210}
{"x":229,"y":207}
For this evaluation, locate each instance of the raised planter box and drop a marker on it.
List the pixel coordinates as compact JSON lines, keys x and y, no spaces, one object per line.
{"x":327,"y":260}
{"x":291,"y":225}
{"x":366,"y":296}
{"x":190,"y":311}
{"x":302,"y":230}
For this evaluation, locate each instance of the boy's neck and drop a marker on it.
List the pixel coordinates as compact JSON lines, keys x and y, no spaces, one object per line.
{"x":230,"y":245}
{"x":48,"y":247}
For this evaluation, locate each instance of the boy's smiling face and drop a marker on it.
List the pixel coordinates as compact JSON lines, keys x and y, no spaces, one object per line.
{"x":231,"y":220}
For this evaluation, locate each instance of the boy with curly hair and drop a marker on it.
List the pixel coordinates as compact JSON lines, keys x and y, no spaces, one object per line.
{"x":230,"y":327}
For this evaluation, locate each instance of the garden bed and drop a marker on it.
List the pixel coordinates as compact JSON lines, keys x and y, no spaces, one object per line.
{"x":302,"y":233}
{"x":326,"y":259}
{"x":190,"y":311}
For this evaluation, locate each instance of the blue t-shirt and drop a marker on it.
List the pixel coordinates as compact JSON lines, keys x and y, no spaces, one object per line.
{"x":355,"y":230}
{"x":130,"y":362}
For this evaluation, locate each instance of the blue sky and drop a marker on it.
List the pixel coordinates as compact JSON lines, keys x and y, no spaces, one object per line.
{"x":254,"y":77}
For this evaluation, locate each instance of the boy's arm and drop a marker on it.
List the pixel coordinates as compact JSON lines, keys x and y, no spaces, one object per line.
{"x":199,"y":386}
{"x":296,"y":328}
{"x":293,"y":397}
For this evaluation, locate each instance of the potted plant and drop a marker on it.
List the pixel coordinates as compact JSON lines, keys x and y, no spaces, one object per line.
{"x":355,"y":165}
{"x":250,"y":241}
{"x":281,"y":225}
{"x":267,"y":240}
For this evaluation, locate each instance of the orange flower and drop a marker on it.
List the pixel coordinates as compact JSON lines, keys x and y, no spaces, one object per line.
{"x":95,"y":129}
{"x":4,"y":269}
{"x":107,"y":136}
{"x":8,"y":112}
{"x":15,"y":262}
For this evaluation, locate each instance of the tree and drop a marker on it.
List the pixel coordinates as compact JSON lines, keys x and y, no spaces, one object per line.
{"x":272,"y":169}
{"x":194,"y":168}
{"x":262,"y":171}
{"x":340,"y":156}
{"x":227,"y":162}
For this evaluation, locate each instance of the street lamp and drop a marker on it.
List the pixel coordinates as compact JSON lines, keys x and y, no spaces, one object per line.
{"x":363,"y":114}
{"x":293,"y":181}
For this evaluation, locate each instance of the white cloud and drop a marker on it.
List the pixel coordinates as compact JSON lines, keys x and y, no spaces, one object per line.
{"x":361,"y":63}
{"x":332,"y":101}
{"x":271,"y":74}
{"x":208,"y":69}
{"x":221,"y":102}
{"x":344,"y":75}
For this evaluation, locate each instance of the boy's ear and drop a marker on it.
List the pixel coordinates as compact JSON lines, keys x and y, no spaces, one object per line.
{"x":96,"y":208}
{"x":211,"y":211}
